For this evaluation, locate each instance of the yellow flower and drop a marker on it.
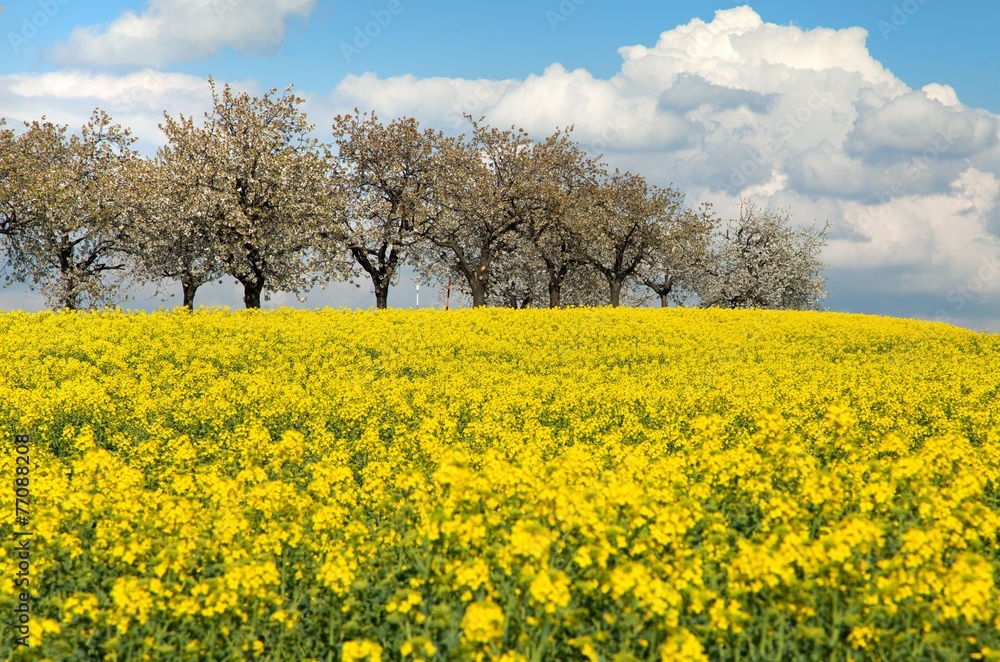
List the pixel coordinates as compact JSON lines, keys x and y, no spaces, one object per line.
{"x":683,"y":647}
{"x":355,"y":651}
{"x":599,"y":468}
{"x":862,"y":637}
{"x":40,"y":629}
{"x":80,"y":604}
{"x":482,"y":622}
{"x":550,"y":589}
{"x":418,"y":645}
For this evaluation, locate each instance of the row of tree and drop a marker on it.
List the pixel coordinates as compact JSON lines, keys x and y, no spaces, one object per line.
{"x":249,"y":193}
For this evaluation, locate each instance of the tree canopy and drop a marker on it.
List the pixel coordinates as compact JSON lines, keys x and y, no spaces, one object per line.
{"x":250,"y":193}
{"x":64,"y":200}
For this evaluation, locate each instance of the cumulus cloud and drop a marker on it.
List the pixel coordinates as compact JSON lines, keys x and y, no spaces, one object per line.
{"x":937,"y":237}
{"x":690,"y":91}
{"x":919,"y":122}
{"x":137,"y":100}
{"x":174,"y":30}
{"x":440,"y":101}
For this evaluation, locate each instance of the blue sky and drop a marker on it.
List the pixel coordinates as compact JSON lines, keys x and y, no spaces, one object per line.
{"x":880,"y":117}
{"x":952,"y":42}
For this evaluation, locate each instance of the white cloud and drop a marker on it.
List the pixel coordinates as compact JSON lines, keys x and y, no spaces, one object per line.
{"x":918,"y":123}
{"x":137,"y":100}
{"x":442,"y":100}
{"x":936,"y":235}
{"x":944,"y":94}
{"x":738,"y":42}
{"x":690,"y":91}
{"x":174,"y":30}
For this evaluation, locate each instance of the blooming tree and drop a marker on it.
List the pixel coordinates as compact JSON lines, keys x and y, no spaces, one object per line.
{"x":760,"y":261}
{"x":626,"y":227}
{"x":386,"y":175}
{"x":177,"y":212}
{"x":64,"y":209}
{"x":269,"y":195}
{"x":671,"y":271}
{"x":487,"y":188}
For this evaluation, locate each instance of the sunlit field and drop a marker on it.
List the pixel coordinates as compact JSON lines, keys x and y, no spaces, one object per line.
{"x":493,"y":484}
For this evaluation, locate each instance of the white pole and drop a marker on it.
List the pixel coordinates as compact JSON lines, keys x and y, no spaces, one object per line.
{"x":418,"y":296}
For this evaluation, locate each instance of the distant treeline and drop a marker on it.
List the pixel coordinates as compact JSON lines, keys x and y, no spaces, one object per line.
{"x":248,"y":193}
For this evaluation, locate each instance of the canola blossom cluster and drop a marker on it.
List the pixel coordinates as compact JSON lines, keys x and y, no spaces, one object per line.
{"x":588,"y":484}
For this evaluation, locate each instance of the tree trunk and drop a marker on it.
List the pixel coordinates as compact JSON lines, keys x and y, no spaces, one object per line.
{"x":382,"y":295}
{"x":251,"y":292}
{"x":381,"y":272}
{"x":478,"y":293}
{"x":474,"y":272}
{"x":615,"y":286}
{"x":555,"y":294}
{"x":477,"y":283}
{"x":189,"y":289}
{"x":380,"y":283}
{"x":662,"y":289}
{"x":70,"y":299}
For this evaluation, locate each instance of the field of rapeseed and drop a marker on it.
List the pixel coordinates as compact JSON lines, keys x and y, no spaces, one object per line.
{"x":513,"y":485}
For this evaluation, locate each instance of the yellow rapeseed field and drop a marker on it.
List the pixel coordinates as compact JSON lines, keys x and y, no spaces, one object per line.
{"x":502,"y":485}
